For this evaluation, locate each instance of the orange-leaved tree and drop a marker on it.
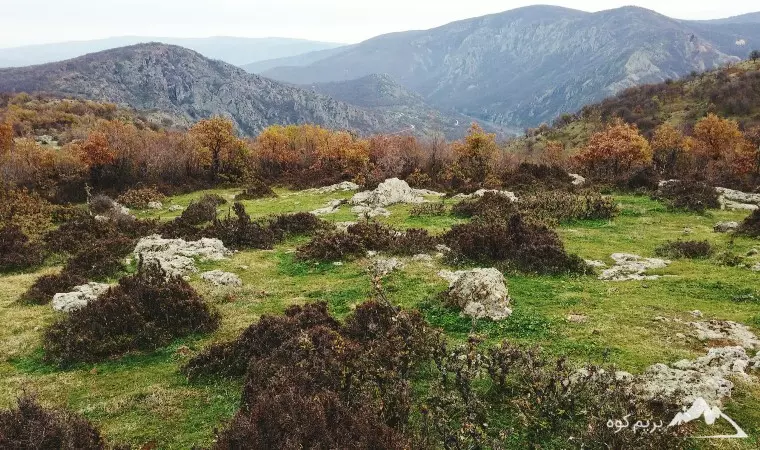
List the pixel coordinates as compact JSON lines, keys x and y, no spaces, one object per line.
{"x":6,"y":137}
{"x":217,"y":137}
{"x":475,"y":155}
{"x":722,"y":149}
{"x":615,"y":153}
{"x":671,"y":151}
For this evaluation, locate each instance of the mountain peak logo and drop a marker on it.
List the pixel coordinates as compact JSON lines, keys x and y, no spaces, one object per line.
{"x":701,"y":408}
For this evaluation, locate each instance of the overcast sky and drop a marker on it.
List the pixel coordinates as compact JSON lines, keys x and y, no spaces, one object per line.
{"x":40,"y":21}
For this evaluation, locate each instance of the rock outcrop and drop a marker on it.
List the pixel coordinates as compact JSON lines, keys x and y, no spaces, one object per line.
{"x":481,"y":192}
{"x":389,"y":192}
{"x":381,"y":267}
{"x":174,"y":256}
{"x":724,"y":330}
{"x":79,"y":297}
{"x":732,"y":199}
{"x":221,"y":278}
{"x":632,"y":267}
{"x":344,"y":186}
{"x":706,"y":377}
{"x":725,"y":227}
{"x":332,"y":207}
{"x":481,"y":293}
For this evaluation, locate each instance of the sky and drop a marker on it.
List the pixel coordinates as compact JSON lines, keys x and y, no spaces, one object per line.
{"x":24,"y":22}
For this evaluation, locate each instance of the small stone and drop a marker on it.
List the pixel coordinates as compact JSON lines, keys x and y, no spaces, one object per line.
{"x":577,"y":318}
{"x":481,"y":293}
{"x":696,"y":313}
{"x":220,"y":278}
{"x":383,"y":267}
{"x":155,"y":205}
{"x":337,"y":263}
{"x":174,"y":208}
{"x":725,"y":227}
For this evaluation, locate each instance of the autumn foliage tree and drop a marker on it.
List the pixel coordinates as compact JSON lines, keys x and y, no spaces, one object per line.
{"x":475,"y":156}
{"x":217,"y":138}
{"x":671,"y":151}
{"x":614,"y":154}
{"x":722,"y":150}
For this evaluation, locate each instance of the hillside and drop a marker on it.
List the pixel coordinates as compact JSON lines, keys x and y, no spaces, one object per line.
{"x":300,"y":60}
{"x":184,"y":84}
{"x":732,"y":93}
{"x":232,"y":50}
{"x":382,"y":94}
{"x":528,"y":65}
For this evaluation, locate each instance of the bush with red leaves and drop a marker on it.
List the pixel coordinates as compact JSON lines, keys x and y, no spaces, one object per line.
{"x":29,"y":426}
{"x":524,"y":245}
{"x":144,"y":312}
{"x":16,"y":251}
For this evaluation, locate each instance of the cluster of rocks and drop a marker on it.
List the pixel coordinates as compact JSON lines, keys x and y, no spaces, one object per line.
{"x":331,"y":207}
{"x":390,"y":192}
{"x":724,"y":330}
{"x":221,"y":278}
{"x":381,"y":267}
{"x":707,"y":377}
{"x":481,"y":293}
{"x":733,"y":199}
{"x":345,"y":186}
{"x":479,"y":193}
{"x":629,"y":267}
{"x":174,"y":256}
{"x":79,"y":297}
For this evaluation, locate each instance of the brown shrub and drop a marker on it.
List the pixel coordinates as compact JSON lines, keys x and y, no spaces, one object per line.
{"x":296,"y":224}
{"x":29,"y":426}
{"x":16,"y":252}
{"x":751,"y":225}
{"x":563,"y":206}
{"x":524,"y":245}
{"x":331,"y":246}
{"x":490,"y":205}
{"x":101,"y":204}
{"x":26,"y":210}
{"x":258,"y":340}
{"x":101,"y":259}
{"x":685,"y":249}
{"x":255,"y":190}
{"x":689,"y":195}
{"x":202,"y":211}
{"x":144,"y":312}
{"x":241,"y":232}
{"x":140,"y":198}
{"x":46,"y":286}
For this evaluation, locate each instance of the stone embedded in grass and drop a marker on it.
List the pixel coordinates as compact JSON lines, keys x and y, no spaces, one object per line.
{"x":630,"y":267}
{"x":332,"y":207}
{"x":725,"y":227}
{"x":706,"y":377}
{"x":390,"y":192}
{"x":577,"y":318}
{"x":577,"y":179}
{"x":595,"y":263}
{"x":175,"y":208}
{"x":481,"y":293}
{"x":370,"y":212}
{"x":79,"y":297}
{"x":737,"y":200}
{"x":381,"y":267}
{"x":480,"y":193}
{"x":174,"y":255}
{"x":724,"y":330}
{"x":221,"y":278}
{"x":343,"y":186}
{"x":155,"y":205}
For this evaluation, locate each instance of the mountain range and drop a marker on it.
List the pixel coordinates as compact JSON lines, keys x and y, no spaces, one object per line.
{"x":185,"y":86}
{"x":508,"y":71}
{"x":525,"y":66}
{"x":233,"y":50}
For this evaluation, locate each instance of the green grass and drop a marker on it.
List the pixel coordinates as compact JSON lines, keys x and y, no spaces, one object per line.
{"x":143,"y":398}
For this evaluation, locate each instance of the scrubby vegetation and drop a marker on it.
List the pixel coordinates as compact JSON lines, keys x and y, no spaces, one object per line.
{"x":751,"y":225}
{"x":367,"y":236}
{"x":342,"y":374}
{"x":145,"y":311}
{"x":522,"y":244}
{"x":140,"y":198}
{"x":313,"y":382}
{"x":689,"y":195}
{"x":30,"y":426}
{"x":16,"y":251}
{"x":685,"y":249}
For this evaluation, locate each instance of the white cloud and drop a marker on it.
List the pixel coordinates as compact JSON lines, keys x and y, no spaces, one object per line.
{"x":38,"y":21}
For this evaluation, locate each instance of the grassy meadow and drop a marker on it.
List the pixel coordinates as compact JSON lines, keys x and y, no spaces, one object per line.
{"x":142,"y":398}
